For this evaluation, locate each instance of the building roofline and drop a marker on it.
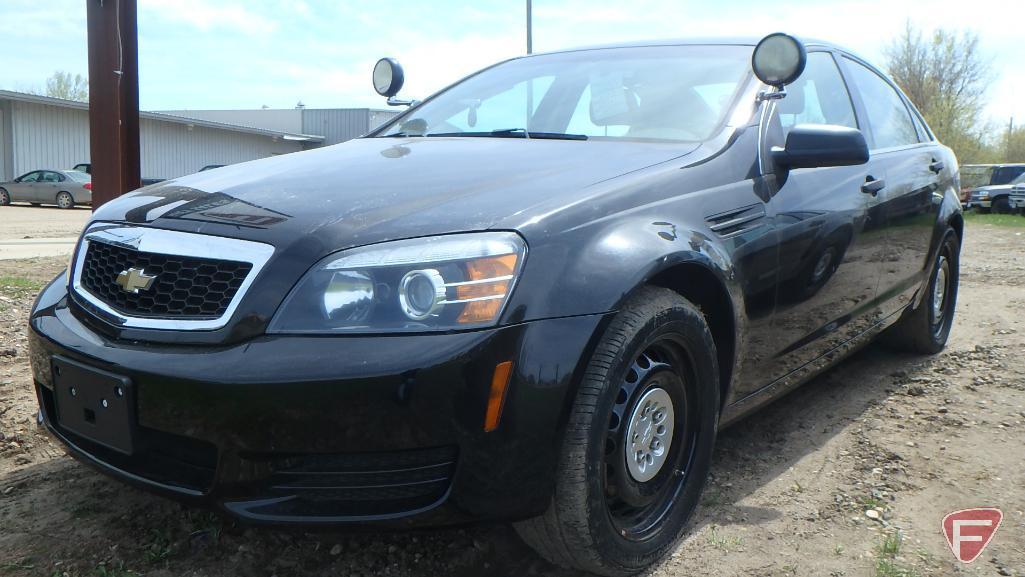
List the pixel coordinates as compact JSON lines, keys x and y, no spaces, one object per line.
{"x":50,"y":101}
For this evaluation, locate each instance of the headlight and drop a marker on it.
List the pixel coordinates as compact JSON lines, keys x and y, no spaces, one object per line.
{"x":451,"y":282}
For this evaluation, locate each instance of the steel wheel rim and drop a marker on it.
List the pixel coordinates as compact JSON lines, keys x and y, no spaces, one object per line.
{"x":941,"y":294}
{"x":636,"y":508}
{"x":825,"y":260}
{"x":939,"y":289}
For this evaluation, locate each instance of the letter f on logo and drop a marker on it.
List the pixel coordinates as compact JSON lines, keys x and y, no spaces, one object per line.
{"x":969,"y":531}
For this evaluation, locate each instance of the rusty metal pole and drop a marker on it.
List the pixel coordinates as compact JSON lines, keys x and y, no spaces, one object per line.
{"x":113,"y":98}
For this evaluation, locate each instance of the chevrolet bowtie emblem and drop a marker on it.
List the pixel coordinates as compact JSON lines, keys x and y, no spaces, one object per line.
{"x":135,"y":279}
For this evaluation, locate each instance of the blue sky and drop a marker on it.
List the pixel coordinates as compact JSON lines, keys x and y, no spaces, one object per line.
{"x":197,"y":54}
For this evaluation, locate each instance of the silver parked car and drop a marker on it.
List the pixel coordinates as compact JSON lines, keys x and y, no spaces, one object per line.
{"x":65,"y":188}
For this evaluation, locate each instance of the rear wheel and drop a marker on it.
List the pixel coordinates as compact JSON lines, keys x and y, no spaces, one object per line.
{"x":5,"y":197}
{"x":638,"y":444}
{"x":925,"y":329}
{"x":65,"y":200}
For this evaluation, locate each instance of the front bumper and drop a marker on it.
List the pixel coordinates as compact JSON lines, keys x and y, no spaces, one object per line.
{"x":315,"y":429}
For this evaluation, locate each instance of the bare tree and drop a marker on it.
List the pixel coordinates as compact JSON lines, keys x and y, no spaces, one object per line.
{"x":946,"y":76}
{"x":64,"y":85}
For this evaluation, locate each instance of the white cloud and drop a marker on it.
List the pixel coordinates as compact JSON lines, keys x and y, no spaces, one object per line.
{"x":207,"y":16}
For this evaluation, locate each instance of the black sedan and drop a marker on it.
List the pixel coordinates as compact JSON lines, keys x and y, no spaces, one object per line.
{"x":534,"y":297}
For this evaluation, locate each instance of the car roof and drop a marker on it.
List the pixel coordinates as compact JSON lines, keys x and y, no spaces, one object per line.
{"x":700,"y":41}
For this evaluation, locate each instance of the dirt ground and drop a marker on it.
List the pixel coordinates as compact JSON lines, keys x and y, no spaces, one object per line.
{"x":21,"y":221}
{"x":850,"y":475}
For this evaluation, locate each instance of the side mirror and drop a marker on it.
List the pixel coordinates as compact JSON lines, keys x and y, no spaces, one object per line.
{"x":388,"y":77}
{"x":816,"y":145}
{"x":779,"y":59}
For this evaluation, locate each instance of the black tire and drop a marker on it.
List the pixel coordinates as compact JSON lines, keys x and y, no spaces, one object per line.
{"x":602,"y":519}
{"x":65,"y":200}
{"x":1001,"y":205}
{"x":925,"y":330}
{"x":5,"y":197}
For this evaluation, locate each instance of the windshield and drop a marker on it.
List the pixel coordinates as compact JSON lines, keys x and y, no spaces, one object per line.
{"x":673,"y":93}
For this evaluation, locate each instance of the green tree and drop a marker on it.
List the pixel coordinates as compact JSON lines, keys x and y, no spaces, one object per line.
{"x":64,"y":85}
{"x":946,"y":75}
{"x":1014,"y":145}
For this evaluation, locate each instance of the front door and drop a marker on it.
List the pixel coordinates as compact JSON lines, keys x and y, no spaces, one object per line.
{"x":23,"y":189}
{"x":830,"y":245}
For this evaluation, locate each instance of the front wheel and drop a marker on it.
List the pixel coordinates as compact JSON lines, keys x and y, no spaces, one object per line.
{"x":925,"y":330}
{"x":5,"y":197}
{"x":65,"y":200}
{"x":1001,"y":205}
{"x":638,"y":445}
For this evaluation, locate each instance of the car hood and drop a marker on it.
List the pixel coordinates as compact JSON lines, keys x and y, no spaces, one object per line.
{"x":992,"y":188}
{"x":376,"y":189}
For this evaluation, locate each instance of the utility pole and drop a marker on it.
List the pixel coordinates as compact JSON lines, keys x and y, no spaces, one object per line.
{"x":113,"y":98}
{"x":530,"y":27}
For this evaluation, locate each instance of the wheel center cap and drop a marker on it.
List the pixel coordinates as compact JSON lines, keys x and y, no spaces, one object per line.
{"x":649,"y":435}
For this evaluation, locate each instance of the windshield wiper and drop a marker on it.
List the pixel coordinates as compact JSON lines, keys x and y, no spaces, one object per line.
{"x":514,"y":133}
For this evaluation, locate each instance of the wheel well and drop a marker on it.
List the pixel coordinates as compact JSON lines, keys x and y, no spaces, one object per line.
{"x":957,"y":222}
{"x":701,"y":287}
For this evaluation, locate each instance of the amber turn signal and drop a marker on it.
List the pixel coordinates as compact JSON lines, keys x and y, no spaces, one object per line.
{"x":487,"y":295}
{"x":496,"y":398}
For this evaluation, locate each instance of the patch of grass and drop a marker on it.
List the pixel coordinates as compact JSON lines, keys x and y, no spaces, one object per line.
{"x":838,"y":549}
{"x":890,"y":547}
{"x":26,"y":564}
{"x":115,"y":569}
{"x":887,"y":564}
{"x":159,"y":548}
{"x":205,"y":522}
{"x":973,"y":217}
{"x":19,"y":287}
{"x":712,"y":499}
{"x":724,"y":543}
{"x":871,"y":503}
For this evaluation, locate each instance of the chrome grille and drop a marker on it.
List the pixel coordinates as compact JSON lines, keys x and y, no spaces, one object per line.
{"x":197,"y":280}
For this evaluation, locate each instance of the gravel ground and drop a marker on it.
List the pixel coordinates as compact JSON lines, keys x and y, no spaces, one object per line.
{"x":850,"y":475}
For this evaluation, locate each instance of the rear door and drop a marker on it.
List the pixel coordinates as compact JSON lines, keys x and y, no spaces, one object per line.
{"x":829,"y":269}
{"x":49,"y":186}
{"x":916,"y":171}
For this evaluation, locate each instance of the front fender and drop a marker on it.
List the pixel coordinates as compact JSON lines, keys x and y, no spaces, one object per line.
{"x":596,"y":270}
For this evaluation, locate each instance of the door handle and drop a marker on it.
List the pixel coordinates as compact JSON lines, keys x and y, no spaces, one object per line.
{"x":873,"y":185}
{"x":936,"y":166}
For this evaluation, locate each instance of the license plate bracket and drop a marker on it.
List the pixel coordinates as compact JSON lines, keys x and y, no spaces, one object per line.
{"x":95,"y":404}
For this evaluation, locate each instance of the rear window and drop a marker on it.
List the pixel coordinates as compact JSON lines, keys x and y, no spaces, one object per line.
{"x":78,"y":176}
{"x":1005,"y":174}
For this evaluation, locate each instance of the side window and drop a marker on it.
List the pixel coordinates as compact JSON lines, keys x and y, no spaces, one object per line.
{"x":51,"y":177}
{"x":923,"y":132}
{"x":819,"y":96}
{"x":888,"y":117}
{"x":31,"y":177}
